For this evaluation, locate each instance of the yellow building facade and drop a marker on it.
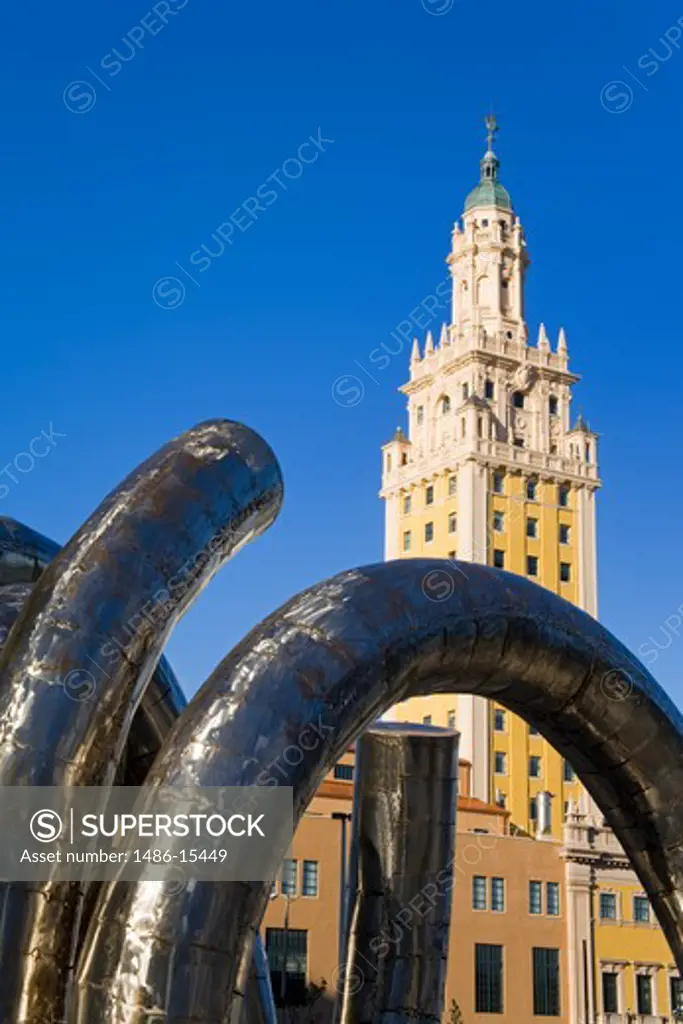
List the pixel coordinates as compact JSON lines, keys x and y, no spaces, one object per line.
{"x":493,"y":469}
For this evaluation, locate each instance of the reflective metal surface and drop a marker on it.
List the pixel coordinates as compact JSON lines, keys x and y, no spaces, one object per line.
{"x":326,"y":665}
{"x":259,"y":1005}
{"x":405,"y":806}
{"x":23,"y":556}
{"x":76,"y":665}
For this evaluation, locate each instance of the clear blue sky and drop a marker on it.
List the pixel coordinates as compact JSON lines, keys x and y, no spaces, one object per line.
{"x":99,"y":205}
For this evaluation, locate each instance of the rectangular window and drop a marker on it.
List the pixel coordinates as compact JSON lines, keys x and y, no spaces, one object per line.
{"x":535,"y":897}
{"x":309,"y":878}
{"x":420,"y":414}
{"x":534,"y":767}
{"x":427,"y":720}
{"x":499,"y":559}
{"x":489,"y":390}
{"x":343,"y":771}
{"x":644,"y":994}
{"x":565,"y":572}
{"x":546,"y":969}
{"x":641,"y":909}
{"x":531,"y":489}
{"x":452,"y":486}
{"x":518,"y":399}
{"x":478,"y":892}
{"x":465,"y":392}
{"x":488,"y":978}
{"x":568,"y":772}
{"x":531,"y":565}
{"x":289,"y":872}
{"x":499,"y":720}
{"x":407,"y":504}
{"x":499,"y":483}
{"x":676,"y":994}
{"x":498,"y":521}
{"x":563,"y":496}
{"x":452,"y":523}
{"x":552,"y":405}
{"x":608,"y":906}
{"x":518,"y":442}
{"x":500,"y":760}
{"x":533,"y":809}
{"x":406,"y":540}
{"x":287,"y":951}
{"x":429,"y":532}
{"x":498,"y":895}
{"x":532,"y":527}
{"x":451,"y":719}
{"x":564,"y":533}
{"x":429,"y":495}
{"x":610,"y":992}
{"x":552,"y":899}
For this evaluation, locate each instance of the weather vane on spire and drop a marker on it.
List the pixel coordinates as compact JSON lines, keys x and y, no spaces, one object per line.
{"x":491,"y":127}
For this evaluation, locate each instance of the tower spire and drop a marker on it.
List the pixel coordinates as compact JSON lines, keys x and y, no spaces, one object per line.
{"x":491,"y":128}
{"x":489,"y":191}
{"x":490,"y":163}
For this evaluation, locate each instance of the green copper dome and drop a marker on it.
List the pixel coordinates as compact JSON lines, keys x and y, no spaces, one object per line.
{"x":489,"y":191}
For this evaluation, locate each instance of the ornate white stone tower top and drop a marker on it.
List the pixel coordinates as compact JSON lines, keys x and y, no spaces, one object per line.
{"x":483,"y":389}
{"x":488,"y":258}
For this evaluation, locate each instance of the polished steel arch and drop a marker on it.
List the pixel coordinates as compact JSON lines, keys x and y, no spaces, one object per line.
{"x":120,"y":584}
{"x":330,"y":662}
{"x":24,"y":554}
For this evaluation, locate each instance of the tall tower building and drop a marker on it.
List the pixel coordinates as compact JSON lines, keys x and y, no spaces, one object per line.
{"x":492,"y":470}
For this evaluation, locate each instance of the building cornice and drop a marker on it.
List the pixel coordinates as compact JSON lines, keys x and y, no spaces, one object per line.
{"x":492,"y":455}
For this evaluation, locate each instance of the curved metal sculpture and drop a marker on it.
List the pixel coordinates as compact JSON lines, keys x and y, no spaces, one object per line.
{"x":332,"y":660}
{"x":161,"y":706}
{"x":114,"y":592}
{"x":24,"y":554}
{"x":405,"y":807}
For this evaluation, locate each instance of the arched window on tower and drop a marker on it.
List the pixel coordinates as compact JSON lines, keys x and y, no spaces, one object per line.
{"x":445,"y":405}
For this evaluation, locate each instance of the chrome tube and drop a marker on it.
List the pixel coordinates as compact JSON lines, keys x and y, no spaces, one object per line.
{"x":259,"y":1005}
{"x":322,"y":668}
{"x":79,"y":659}
{"x":24,"y":554}
{"x":404,"y":822}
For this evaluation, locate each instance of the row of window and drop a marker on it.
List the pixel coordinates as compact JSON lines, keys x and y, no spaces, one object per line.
{"x":532,"y":562}
{"x":287,"y":951}
{"x":489,"y":894}
{"x":531,"y":527}
{"x":427,"y":720}
{"x":608,"y":908}
{"x":518,"y":401}
{"x":289,"y":879}
{"x":563,"y":490}
{"x":500,"y":762}
{"x":498,"y":488}
{"x":429,"y":495}
{"x":489,"y":983}
{"x":429,"y":532}
{"x":480,"y":890}
{"x":500,"y":719}
{"x":643,"y":993}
